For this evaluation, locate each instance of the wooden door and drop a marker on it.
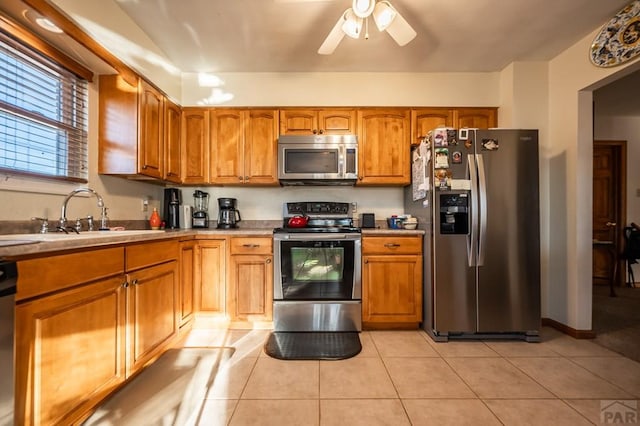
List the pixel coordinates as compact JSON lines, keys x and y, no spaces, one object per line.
{"x":227,"y":146}
{"x":151,"y":136}
{"x":337,"y":121}
{"x":384,"y":149}
{"x":609,"y":207}
{"x":152,"y":309}
{"x":481,"y":118}
{"x":70,"y":352}
{"x":298,"y":122}
{"x":424,"y":120}
{"x":210,"y":293}
{"x":172,"y":147}
{"x":195,"y":146}
{"x":261,"y":147}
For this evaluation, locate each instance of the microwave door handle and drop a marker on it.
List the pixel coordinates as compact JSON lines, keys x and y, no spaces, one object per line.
{"x":341,"y":160}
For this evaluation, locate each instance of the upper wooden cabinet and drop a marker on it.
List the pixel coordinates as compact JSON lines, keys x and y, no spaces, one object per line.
{"x":195,"y":146}
{"x":481,"y":118}
{"x":384,"y":149}
{"x":243,"y":146}
{"x":333,"y":121}
{"x":425,"y":119}
{"x":172,"y":146}
{"x":131,"y":129}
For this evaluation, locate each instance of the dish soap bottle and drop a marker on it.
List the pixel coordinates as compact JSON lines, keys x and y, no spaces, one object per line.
{"x":155,"y":220}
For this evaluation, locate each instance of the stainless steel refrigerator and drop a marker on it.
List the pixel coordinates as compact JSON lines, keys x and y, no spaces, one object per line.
{"x":480,"y":211}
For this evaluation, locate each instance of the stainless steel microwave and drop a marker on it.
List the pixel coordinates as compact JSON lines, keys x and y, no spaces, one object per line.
{"x":318,"y":159}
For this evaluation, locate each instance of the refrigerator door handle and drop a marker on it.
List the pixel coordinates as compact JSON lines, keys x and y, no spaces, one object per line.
{"x":472,"y":174}
{"x":482,"y":186}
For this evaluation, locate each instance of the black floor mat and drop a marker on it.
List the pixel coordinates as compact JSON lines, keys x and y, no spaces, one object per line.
{"x":313,"y":345}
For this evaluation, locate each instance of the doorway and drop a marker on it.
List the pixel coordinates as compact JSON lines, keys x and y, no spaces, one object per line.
{"x":609,"y":211}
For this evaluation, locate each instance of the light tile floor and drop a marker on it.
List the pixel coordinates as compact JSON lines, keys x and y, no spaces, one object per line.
{"x":224,"y":377}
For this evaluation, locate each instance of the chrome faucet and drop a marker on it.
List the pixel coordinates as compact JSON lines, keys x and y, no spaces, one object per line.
{"x":62,"y":226}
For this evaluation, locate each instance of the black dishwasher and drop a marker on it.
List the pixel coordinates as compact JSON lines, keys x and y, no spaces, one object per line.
{"x":8,"y":279}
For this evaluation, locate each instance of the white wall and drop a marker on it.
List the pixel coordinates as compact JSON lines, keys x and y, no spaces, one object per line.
{"x":568,"y":164}
{"x":627,"y":129}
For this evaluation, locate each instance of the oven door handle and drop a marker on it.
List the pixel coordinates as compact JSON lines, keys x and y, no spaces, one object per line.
{"x":315,"y":237}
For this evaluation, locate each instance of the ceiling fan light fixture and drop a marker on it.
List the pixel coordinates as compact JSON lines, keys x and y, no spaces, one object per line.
{"x":363,"y":8}
{"x":352,"y":25}
{"x":384,"y":15}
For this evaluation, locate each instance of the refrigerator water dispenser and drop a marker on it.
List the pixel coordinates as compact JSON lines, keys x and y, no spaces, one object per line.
{"x":454,"y":214}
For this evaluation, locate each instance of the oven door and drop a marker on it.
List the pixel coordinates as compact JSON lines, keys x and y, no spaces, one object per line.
{"x":318,"y":267}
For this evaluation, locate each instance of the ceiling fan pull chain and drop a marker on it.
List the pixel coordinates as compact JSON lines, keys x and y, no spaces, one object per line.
{"x":366,"y":28}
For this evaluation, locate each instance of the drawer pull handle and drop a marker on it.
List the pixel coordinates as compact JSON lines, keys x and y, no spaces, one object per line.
{"x":392,"y":245}
{"x":251,"y":245}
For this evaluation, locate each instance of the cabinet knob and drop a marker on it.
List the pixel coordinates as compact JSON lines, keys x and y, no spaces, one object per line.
{"x":268,"y":261}
{"x":125,"y":284}
{"x":144,"y":167}
{"x":135,"y":282}
{"x":366,"y":261}
{"x":240,"y":178}
{"x":246,"y":178}
{"x":360,"y":177}
{"x":321,"y":131}
{"x":315,"y":131}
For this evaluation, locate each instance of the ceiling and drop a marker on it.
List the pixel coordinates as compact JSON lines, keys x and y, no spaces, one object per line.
{"x":284,"y":35}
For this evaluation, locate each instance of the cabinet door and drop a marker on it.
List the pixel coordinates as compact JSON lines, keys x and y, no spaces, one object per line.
{"x":227,"y":141}
{"x":337,"y":122}
{"x":251,"y":288}
{"x":195,"y":146}
{"x":298,"y":122}
{"x":260,"y":147}
{"x":151,"y":135}
{"x":392,"y":289}
{"x":210,"y":277}
{"x":172,"y":148}
{"x":383,"y":141}
{"x":69,"y":351}
{"x":152,"y":312}
{"x":482,"y":118}
{"x":187,"y":280}
{"x":425,"y":119}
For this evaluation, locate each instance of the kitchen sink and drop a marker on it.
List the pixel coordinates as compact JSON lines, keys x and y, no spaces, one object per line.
{"x":19,"y":239}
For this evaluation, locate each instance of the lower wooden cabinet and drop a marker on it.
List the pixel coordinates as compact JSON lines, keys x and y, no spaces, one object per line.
{"x":250,"y":282}
{"x":187,"y":281}
{"x":392,"y":280}
{"x":70,"y":345}
{"x":82,"y":328}
{"x":152,"y":302}
{"x":210,"y":294}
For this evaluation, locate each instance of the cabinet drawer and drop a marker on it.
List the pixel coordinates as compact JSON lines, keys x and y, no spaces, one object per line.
{"x":392,"y":245}
{"x":251,"y":245}
{"x":147,"y":254}
{"x":52,"y":273}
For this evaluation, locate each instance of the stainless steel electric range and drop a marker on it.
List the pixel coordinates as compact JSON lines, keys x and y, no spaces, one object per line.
{"x":317,"y":269}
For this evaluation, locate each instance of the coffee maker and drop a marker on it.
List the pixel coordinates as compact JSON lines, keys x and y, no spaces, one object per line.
{"x":228,"y":214}
{"x":172,"y":201}
{"x":200,"y":209}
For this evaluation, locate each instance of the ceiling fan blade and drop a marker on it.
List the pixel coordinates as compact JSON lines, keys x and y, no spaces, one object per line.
{"x":334,"y":38}
{"x":401,"y":31}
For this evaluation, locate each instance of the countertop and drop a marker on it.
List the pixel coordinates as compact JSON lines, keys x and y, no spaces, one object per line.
{"x":18,"y":245}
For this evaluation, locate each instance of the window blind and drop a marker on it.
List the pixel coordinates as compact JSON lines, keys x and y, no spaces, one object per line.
{"x":43,"y":115}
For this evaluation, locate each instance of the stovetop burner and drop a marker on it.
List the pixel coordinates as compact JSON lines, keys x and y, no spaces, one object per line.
{"x":323,"y":216}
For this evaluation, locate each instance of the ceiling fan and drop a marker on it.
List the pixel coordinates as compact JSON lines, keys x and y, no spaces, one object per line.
{"x":351,"y":21}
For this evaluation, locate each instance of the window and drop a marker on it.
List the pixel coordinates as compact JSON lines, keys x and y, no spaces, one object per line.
{"x":43,"y":115}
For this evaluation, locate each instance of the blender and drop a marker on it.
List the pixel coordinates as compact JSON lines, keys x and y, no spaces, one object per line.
{"x":200,"y":208}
